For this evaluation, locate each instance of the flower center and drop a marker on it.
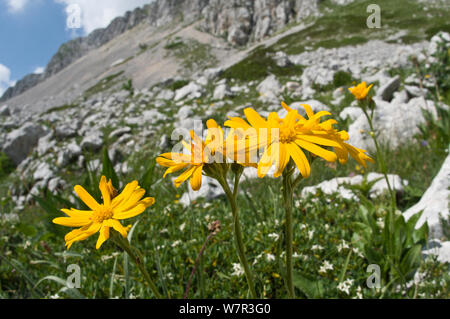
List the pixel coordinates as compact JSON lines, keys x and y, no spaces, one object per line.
{"x":103,"y":213}
{"x":287,"y":135}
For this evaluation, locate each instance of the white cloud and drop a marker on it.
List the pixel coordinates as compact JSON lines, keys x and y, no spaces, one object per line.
{"x":16,"y":5}
{"x":5,"y":79}
{"x":39,"y":70}
{"x":99,"y":13}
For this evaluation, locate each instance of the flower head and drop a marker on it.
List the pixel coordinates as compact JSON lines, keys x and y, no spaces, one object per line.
{"x":360,"y":91}
{"x":200,"y":153}
{"x":286,"y":138}
{"x":203,"y":155}
{"x":102,"y":217}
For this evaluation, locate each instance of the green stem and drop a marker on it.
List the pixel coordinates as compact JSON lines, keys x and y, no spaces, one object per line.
{"x":137,"y":258}
{"x":288,"y":197}
{"x":380,"y":158}
{"x":237,"y":230}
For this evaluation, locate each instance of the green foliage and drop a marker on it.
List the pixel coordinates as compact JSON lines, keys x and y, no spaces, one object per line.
{"x":258,"y":65}
{"x":177,"y":85}
{"x":394,"y":244}
{"x":103,"y":84}
{"x":128,"y":86}
{"x":192,"y":54}
{"x":6,"y":165}
{"x":61,"y":108}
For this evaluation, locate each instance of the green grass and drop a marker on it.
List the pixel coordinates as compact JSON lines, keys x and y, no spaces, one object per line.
{"x":61,"y":108}
{"x":6,"y":165}
{"x":103,"y":85}
{"x":258,"y":65}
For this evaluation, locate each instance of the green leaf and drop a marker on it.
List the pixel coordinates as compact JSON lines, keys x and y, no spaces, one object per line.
{"x":27,"y":230}
{"x":147,"y":178}
{"x":411,"y":260}
{"x":312,"y":288}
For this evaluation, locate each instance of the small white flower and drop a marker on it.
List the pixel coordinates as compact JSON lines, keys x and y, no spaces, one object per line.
{"x":182,"y":226}
{"x":327,"y":226}
{"x":55,"y":296}
{"x":316,"y":247}
{"x":359,"y":294}
{"x":176,"y":243}
{"x":310,"y":234}
{"x":342,"y":245}
{"x":164,"y":231}
{"x":380,"y":222}
{"x":345,"y":286}
{"x":270,"y":257}
{"x":274,"y":236}
{"x":257,"y":258}
{"x":237,"y":270}
{"x":325,"y":267}
{"x":358,"y":252}
{"x":302,"y":226}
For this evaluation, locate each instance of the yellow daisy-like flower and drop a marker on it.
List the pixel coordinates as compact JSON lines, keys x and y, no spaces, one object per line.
{"x":102,"y":217}
{"x":342,"y":149}
{"x":215,"y":149}
{"x":193,"y":162}
{"x":285,"y":138}
{"x":360,"y":91}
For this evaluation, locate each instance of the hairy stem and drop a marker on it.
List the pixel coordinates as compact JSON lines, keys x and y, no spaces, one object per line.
{"x":137,"y":258}
{"x":231,"y":196}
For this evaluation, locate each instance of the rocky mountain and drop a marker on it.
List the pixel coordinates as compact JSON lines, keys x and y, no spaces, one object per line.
{"x":238,"y":21}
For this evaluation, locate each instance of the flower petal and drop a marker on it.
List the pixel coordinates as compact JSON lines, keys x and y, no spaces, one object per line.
{"x":86,"y":197}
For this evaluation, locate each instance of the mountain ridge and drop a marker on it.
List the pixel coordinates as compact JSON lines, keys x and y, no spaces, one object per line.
{"x":238,"y":21}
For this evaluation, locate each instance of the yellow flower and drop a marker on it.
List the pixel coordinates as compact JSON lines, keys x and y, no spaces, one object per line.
{"x":342,"y":149}
{"x":360,"y":91}
{"x":193,"y":162}
{"x":283,"y":139}
{"x":102,"y":217}
{"x":203,"y":154}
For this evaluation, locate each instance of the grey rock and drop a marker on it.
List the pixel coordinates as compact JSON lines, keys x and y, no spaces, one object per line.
{"x":415,"y":91}
{"x":386,"y":91}
{"x":434,"y":202}
{"x":185,"y":112}
{"x":282,"y":59}
{"x":222,"y":91}
{"x":43,"y":172}
{"x":4,"y":110}
{"x":352,"y":112}
{"x":92,"y":141}
{"x":20,"y":142}
{"x":269,"y":89}
{"x":190,"y":91}
{"x":210,"y":190}
{"x":337,"y":185}
{"x":119,"y":132}
{"x":394,"y":123}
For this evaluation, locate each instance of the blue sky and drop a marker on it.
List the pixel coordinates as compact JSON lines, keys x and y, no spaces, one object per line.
{"x":31,"y":31}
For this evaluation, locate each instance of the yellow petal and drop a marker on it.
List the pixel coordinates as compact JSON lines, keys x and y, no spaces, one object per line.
{"x":138,"y":209}
{"x":184,"y":176}
{"x":117,"y":226}
{"x":104,"y":235}
{"x":317,"y":150}
{"x":299,"y":158}
{"x":86,"y":198}
{"x":196,"y":179}
{"x":72,"y":221}
{"x":267,"y":159}
{"x":104,"y":189}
